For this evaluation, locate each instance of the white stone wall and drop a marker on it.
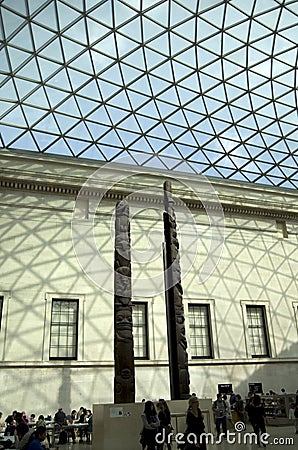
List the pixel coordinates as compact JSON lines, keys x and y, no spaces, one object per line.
{"x":37,"y":261}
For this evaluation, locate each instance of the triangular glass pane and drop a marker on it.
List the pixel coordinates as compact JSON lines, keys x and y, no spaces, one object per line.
{"x":41,"y":36}
{"x":17,"y":57}
{"x":43,"y":139}
{"x":33,"y":114}
{"x":233,"y":15}
{"x":15,"y":117}
{"x":153,"y":58}
{"x":123,"y":14}
{"x":137,"y":99}
{"x":86,"y":105}
{"x":164,"y":71}
{"x":216,"y":11}
{"x":174,"y":130}
{"x":100,"y":116}
{"x":47,"y":68}
{"x":270,"y":19}
{"x":264,"y":44}
{"x":187,"y":30}
{"x":9,"y":133}
{"x":178,"y":14}
{"x":111,"y":138}
{"x":23,"y":39}
{"x":60,"y":80}
{"x":107,"y":46}
{"x":130,"y":124}
{"x":38,"y":99}
{"x":288,"y":99}
{"x":158,"y":85}
{"x":212,"y":44}
{"x":178,"y":44}
{"x":205,"y":56}
{"x":289,"y":118}
{"x":65,"y":122}
{"x":136,"y":59}
{"x":150,"y":109}
{"x":206,"y":30}
{"x":48,"y":124}
{"x":96,"y":130}
{"x":77,"y":32}
{"x":279,"y":67}
{"x":69,"y":107}
{"x":107,"y":89}
{"x":191,"y":82}
{"x":76,"y":145}
{"x":143,"y":146}
{"x":132,"y":29}
{"x":100,"y":61}
{"x":8,"y":92}
{"x":93,"y":153}
{"x":188,"y":57}
{"x":120,"y":100}
{"x":124,"y":44}
{"x":160,"y":132}
{"x":151,"y":30}
{"x":185,"y":95}
{"x":25,"y":143}
{"x":156,"y":143}
{"x":95,"y":30}
{"x":47,"y":17}
{"x":55,"y":96}
{"x":156,"y":47}
{"x":117,"y":115}
{"x":66,"y":15}
{"x":103,"y":14}
{"x":207,"y":82}
{"x":214,"y":69}
{"x":59,"y":148}
{"x":146,"y":123}
{"x":170,"y":97}
{"x":53,"y":51}
{"x":129,"y":73}
{"x":112,"y":74}
{"x":83,"y":63}
{"x":10,"y":22}
{"x":127,"y":137}
{"x":80,"y":131}
{"x":91,"y":90}
{"x":71,"y":49}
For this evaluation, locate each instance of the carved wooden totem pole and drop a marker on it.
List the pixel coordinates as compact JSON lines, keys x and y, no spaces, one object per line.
{"x":124,"y":381}
{"x":177,"y":345}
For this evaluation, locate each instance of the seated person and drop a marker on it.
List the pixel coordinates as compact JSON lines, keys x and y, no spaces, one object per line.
{"x":37,"y":438}
{"x":10,"y":426}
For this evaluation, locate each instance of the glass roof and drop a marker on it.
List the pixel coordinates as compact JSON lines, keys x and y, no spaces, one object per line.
{"x":205,"y":86}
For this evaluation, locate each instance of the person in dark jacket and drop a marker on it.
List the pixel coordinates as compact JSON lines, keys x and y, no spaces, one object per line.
{"x":257,"y":418}
{"x":195,"y":426}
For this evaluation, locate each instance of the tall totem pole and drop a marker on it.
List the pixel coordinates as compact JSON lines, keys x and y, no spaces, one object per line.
{"x":177,"y":345}
{"x":124,"y":381}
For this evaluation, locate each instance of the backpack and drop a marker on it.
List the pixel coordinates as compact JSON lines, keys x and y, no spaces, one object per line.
{"x":63,"y":437}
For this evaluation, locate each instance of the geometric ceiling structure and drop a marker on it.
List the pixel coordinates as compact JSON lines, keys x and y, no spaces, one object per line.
{"x":199,"y":86}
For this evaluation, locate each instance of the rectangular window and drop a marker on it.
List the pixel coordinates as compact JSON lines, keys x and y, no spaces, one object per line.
{"x":140,"y":330}
{"x":257,"y":331}
{"x":200,"y":331}
{"x":1,"y":309}
{"x":64,"y":329}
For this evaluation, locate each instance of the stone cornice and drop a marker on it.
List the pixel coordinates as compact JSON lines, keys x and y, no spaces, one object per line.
{"x":49,"y":187}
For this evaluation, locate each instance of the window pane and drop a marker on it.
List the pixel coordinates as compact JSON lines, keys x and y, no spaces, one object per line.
{"x":257,"y":332}
{"x":140,"y":333}
{"x":64,"y":329}
{"x":200,"y":335}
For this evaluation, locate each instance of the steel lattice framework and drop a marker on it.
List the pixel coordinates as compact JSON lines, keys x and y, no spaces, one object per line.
{"x":206,"y":86}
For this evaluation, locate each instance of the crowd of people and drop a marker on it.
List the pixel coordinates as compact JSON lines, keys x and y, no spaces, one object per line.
{"x":25,"y":432}
{"x":227,"y":413}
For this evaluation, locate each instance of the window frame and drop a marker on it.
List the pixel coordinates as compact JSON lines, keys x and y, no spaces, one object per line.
{"x":267,"y":327}
{"x":146,"y":325}
{"x":206,"y":306}
{"x":49,"y":296}
{"x":63,"y":327}
{"x":213,"y":334}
